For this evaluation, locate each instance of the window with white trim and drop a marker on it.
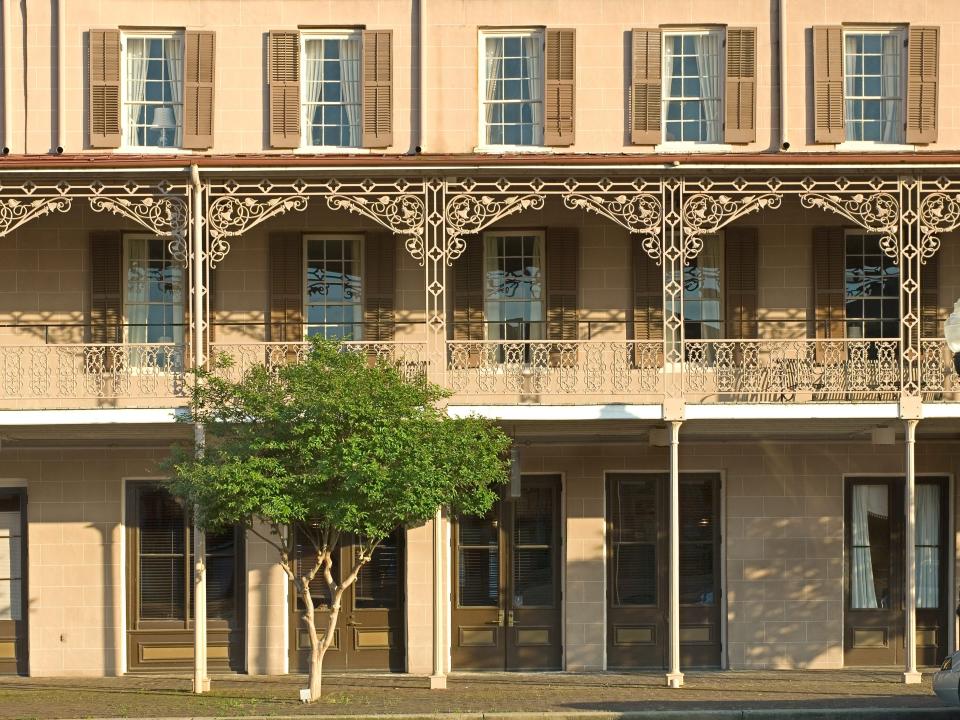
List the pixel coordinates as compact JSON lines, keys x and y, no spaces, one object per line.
{"x":693,"y":77}
{"x":333,"y":293}
{"x":873,"y":85}
{"x":153,"y":90}
{"x":513,"y":285}
{"x":702,"y":280}
{"x":153,"y":292}
{"x":512,"y":88}
{"x":331,"y":89}
{"x":872,"y":282}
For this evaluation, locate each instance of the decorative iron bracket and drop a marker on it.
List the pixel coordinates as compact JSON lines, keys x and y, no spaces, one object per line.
{"x":939,"y":213}
{"x":14,"y":213}
{"x":404,"y":215}
{"x":878,"y":212}
{"x":468,"y":214}
{"x":165,"y":216}
{"x":704,"y":214}
{"x":640,"y":214}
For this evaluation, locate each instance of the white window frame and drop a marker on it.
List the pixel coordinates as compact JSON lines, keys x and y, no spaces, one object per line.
{"x":358,"y":240}
{"x":126,"y":240}
{"x":867,"y":145}
{"x":125,"y":145}
{"x":328,"y":34}
{"x":483,"y":34}
{"x":541,"y":238}
{"x":665,"y":77}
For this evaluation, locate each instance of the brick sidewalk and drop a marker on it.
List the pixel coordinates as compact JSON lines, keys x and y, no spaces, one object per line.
{"x":240,"y":695}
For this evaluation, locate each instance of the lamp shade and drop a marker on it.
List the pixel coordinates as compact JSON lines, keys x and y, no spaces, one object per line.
{"x":163,"y":118}
{"x":951,"y":329}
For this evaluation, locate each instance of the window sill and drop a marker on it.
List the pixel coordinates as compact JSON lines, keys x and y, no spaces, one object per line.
{"x":519,"y":150}
{"x":861,"y":146}
{"x":331,"y":150}
{"x":153,"y":150}
{"x":674,"y":147}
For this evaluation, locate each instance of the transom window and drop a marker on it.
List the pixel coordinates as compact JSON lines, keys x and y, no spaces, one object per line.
{"x":872,"y":289}
{"x":873,"y":85}
{"x":693,"y":91}
{"x":703,"y":293}
{"x":331,"y":89}
{"x":153,"y":300}
{"x":512,"y":84}
{"x":153,"y":90}
{"x":513,"y":288}
{"x":333,"y":287}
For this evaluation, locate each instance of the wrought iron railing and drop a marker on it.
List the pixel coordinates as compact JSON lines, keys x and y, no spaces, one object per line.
{"x":938,"y":379}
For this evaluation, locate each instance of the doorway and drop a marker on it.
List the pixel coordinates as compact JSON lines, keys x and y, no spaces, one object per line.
{"x":13,"y":581}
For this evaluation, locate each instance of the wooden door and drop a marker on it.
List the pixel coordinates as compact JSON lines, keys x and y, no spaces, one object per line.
{"x":369,"y":632}
{"x":875,"y":584}
{"x":638,"y":557}
{"x":160,"y":586}
{"x":13,"y":581}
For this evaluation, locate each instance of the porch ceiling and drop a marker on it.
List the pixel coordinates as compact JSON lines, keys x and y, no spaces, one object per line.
{"x":100,"y":435}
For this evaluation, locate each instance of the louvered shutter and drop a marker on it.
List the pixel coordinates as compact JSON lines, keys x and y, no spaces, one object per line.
{"x":160,"y":555}
{"x":377,"y":88}
{"x":468,"y":315}
{"x":562,"y":264}
{"x":829,"y":286}
{"x":199,"y":63}
{"x":286,"y":287}
{"x":930,"y":299}
{"x":741,"y":249}
{"x":740,"y":96}
{"x":103,"y":83}
{"x":828,"y":84}
{"x":379,"y":284}
{"x":646,"y":87}
{"x":560,"y":87}
{"x":923,"y":79}
{"x":646,"y":321}
{"x":106,"y":287}
{"x":283,"y":76}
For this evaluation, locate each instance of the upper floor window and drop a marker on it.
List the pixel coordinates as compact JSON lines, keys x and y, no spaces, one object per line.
{"x":153,"y":90}
{"x":514,"y":290}
{"x":153,"y":294}
{"x":331,"y":98}
{"x":872,"y":295}
{"x":512,"y":87}
{"x":702,"y":292}
{"x":873,"y":85}
{"x":334,"y":300}
{"x":693,"y":86}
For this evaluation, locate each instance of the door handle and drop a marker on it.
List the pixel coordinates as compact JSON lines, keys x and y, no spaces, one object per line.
{"x":510,"y":618}
{"x":353,"y":623}
{"x":498,"y":621}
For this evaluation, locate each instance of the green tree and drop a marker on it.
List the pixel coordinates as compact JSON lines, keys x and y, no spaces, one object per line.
{"x":336,"y":445}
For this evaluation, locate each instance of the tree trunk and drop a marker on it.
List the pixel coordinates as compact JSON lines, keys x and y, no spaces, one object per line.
{"x":318,"y":648}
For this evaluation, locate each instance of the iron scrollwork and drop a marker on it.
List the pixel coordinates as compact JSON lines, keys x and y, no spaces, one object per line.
{"x":402,"y":214}
{"x":14,"y":213}
{"x":939,"y":213}
{"x":704,"y":214}
{"x":640,"y":214}
{"x":165,"y":216}
{"x":468,"y":214}
{"x":877,"y":212}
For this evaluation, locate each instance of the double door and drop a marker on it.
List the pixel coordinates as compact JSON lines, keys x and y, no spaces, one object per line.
{"x":13,"y":586}
{"x":369,"y":631}
{"x":506,"y":570}
{"x":638,"y":570}
{"x":875,"y":588}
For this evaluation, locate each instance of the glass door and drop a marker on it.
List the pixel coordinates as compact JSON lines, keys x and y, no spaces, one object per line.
{"x":13,"y":586}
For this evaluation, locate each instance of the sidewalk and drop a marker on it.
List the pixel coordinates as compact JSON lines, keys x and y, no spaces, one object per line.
{"x":753,"y":695}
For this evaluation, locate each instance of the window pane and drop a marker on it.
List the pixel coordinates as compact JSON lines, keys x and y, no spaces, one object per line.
{"x":870,"y":547}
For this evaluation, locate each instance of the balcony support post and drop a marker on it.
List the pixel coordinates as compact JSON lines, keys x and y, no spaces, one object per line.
{"x":438,"y":678}
{"x":910,"y":674}
{"x":674,"y":675}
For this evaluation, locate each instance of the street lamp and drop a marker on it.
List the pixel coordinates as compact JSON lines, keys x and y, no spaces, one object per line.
{"x":951,"y":331}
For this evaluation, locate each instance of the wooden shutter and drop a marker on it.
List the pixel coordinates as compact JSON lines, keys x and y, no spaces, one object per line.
{"x":377,"y":88}
{"x":741,"y":250}
{"x":563,"y":262}
{"x":379,"y":284}
{"x":930,"y":299}
{"x":560,"y":87}
{"x":103,"y":83}
{"x":161,"y":537}
{"x":199,"y":61}
{"x":286,"y":287}
{"x":740,"y":98}
{"x":646,"y":321}
{"x":646,"y":87}
{"x":829,"y":287}
{"x":923,"y":79}
{"x":106,"y":287}
{"x":828,"y":84}
{"x":283,"y":76}
{"x":468,"y":315}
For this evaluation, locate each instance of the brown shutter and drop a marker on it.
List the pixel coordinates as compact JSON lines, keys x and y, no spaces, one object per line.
{"x":646,"y":87}
{"x":740,"y":249}
{"x":930,"y":299}
{"x":106,"y":287}
{"x":560,"y":87}
{"x":286,"y":287}
{"x":646,"y":321}
{"x":379,"y":284}
{"x":923,"y":50}
{"x":563,"y":262}
{"x":829,"y":287}
{"x":468,"y":315}
{"x":103,"y":82}
{"x":199,"y":61}
{"x":828,"y":84}
{"x":740,"y":98}
{"x":283,"y":76}
{"x":377,"y":88}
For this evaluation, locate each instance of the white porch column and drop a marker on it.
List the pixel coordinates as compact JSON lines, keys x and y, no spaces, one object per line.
{"x":438,"y":678}
{"x":674,"y":676}
{"x":910,"y":674}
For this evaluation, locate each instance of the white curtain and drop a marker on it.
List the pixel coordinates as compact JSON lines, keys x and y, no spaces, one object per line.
{"x":708,"y":60}
{"x":136,"y":86}
{"x":138,"y":291}
{"x":313,"y":72}
{"x":867,"y":500}
{"x":892,"y":71}
{"x":173,"y":52}
{"x":494,"y":70}
{"x":927,"y":541}
{"x":532,"y":50}
{"x":710,"y":290}
{"x":350,"y":88}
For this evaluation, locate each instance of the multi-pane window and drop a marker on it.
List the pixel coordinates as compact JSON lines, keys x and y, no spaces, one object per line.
{"x":512,"y":87}
{"x":153,"y":293}
{"x":153,"y":90}
{"x":513,"y":286}
{"x":693,"y":90}
{"x":703,"y":292}
{"x":873,"y":86}
{"x":872,"y":289}
{"x":331,"y":90}
{"x":333,"y":287}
